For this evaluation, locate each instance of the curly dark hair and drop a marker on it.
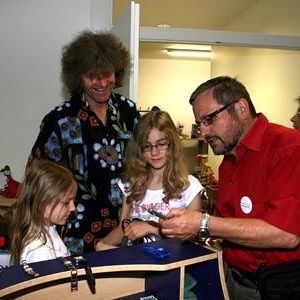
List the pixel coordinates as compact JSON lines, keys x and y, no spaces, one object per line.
{"x":225,"y":90}
{"x":94,"y":53}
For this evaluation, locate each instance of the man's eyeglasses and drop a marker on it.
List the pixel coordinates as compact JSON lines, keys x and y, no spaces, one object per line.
{"x":163,"y":145}
{"x":208,"y":119}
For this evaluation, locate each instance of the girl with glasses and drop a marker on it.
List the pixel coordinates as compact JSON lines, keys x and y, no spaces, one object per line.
{"x":155,"y":179}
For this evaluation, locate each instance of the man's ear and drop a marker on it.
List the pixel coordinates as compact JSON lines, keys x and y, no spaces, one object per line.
{"x":242,"y":108}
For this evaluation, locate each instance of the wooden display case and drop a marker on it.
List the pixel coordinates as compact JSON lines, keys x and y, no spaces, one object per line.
{"x":124,"y":273}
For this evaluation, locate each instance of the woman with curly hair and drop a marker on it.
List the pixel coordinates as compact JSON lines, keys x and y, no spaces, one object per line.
{"x":88,"y":133}
{"x":155,"y":178}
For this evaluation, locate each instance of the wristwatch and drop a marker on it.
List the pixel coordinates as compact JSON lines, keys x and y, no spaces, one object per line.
{"x":203,"y":233}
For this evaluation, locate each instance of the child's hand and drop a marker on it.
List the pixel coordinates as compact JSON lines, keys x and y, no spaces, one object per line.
{"x":138,"y":229}
{"x":102,"y":246}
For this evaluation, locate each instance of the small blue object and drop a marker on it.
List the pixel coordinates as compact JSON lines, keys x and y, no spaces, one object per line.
{"x":157,"y":252}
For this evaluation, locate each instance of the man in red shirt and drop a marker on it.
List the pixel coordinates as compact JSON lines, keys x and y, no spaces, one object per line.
{"x":258,"y":197}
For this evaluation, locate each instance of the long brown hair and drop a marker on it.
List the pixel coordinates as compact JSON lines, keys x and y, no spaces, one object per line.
{"x":136,"y":170}
{"x":45,"y":182}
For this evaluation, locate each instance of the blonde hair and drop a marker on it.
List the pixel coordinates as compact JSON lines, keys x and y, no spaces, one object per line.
{"x":136,"y":170}
{"x":45,"y":182}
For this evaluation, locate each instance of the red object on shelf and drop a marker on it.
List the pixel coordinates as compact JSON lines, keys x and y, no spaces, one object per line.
{"x":2,"y":241}
{"x":8,"y":186}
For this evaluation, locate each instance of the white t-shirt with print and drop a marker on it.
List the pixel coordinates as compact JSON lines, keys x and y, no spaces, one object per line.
{"x":153,"y":200}
{"x":38,"y":251}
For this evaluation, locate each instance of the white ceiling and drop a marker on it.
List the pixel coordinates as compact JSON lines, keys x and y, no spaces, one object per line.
{"x":196,"y":14}
{"x":200,"y":14}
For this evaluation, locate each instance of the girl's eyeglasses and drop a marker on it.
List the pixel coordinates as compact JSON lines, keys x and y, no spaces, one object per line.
{"x":163,"y":145}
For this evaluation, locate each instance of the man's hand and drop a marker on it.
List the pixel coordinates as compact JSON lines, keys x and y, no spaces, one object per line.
{"x":181,"y":223}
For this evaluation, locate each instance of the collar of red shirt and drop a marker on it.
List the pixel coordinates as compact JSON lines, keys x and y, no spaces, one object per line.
{"x":253,"y":138}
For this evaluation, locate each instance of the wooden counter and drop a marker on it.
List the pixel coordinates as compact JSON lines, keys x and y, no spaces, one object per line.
{"x":124,"y":273}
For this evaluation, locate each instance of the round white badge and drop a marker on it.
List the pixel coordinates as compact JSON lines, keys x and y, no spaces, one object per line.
{"x":246,"y":205}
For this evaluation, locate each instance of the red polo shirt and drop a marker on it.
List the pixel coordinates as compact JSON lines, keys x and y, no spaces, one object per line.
{"x":262,"y":181}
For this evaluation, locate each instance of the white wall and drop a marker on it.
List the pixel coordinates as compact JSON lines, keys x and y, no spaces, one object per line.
{"x":32,"y":34}
{"x":169,"y":83}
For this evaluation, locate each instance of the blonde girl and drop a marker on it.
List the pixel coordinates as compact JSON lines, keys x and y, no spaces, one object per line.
{"x":46,"y":199}
{"x":155,"y":178}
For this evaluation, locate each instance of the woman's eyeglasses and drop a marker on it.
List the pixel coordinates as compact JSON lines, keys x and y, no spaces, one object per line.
{"x":209,"y":119}
{"x":163,"y":145}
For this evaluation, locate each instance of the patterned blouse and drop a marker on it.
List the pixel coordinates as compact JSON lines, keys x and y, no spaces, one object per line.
{"x":75,"y":137}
